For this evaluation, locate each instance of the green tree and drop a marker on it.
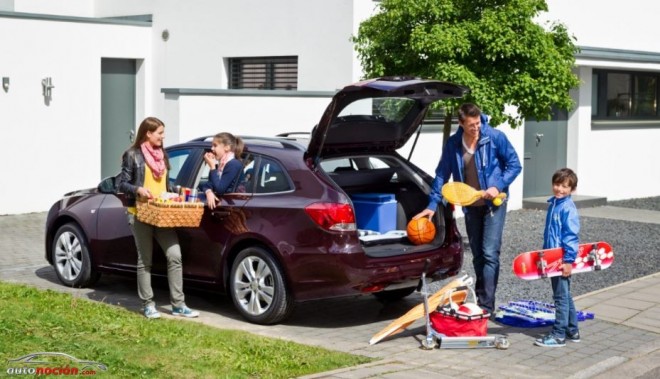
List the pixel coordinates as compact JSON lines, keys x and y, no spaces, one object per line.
{"x":494,"y":47}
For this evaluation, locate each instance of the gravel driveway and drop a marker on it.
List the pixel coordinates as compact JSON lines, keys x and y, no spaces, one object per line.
{"x":636,"y":247}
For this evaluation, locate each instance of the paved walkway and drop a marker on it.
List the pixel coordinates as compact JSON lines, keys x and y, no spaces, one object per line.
{"x":623,"y":340}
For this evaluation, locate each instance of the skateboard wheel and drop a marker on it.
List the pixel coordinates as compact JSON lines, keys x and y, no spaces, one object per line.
{"x":501,"y":343}
{"x":428,"y":344}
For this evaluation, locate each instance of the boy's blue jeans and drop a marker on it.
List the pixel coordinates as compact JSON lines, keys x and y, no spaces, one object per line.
{"x":565,"y":315}
{"x":484,"y":227}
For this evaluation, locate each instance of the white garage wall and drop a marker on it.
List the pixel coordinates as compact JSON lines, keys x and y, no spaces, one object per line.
{"x":245,"y":115}
{"x":49,"y":149}
{"x":80,"y":8}
{"x":618,"y":161}
{"x":204,"y":33}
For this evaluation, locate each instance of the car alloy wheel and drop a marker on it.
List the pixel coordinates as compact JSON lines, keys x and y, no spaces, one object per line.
{"x":257,"y":287}
{"x":71,"y":257}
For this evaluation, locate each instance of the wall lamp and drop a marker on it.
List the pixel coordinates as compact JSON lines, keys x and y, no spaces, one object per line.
{"x":5,"y":83}
{"x":47,"y":87}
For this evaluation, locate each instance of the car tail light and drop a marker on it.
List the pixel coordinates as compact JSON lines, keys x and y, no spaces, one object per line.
{"x":332,"y":216}
{"x":373,"y":288}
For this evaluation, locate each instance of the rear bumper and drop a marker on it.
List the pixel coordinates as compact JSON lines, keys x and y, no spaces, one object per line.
{"x":355,"y":274}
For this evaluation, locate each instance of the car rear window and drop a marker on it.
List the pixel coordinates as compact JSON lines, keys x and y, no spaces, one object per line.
{"x":392,"y":109}
{"x":271,"y":177}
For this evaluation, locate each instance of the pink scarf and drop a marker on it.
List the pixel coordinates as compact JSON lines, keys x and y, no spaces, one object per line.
{"x":155,"y":158}
{"x":226,"y":158}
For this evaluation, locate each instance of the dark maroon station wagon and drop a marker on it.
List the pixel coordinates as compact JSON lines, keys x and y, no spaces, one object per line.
{"x":291,"y":230}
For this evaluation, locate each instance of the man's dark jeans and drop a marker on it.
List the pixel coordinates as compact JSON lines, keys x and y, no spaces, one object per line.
{"x":484,"y":227}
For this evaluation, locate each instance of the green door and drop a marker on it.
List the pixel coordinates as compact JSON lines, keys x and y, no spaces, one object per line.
{"x":117,"y":112}
{"x":545,"y":153}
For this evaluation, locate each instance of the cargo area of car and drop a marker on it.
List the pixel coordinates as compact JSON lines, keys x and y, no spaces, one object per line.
{"x":385,"y":198}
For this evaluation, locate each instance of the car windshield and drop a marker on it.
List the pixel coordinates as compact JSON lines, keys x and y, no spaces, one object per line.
{"x":391,"y":109}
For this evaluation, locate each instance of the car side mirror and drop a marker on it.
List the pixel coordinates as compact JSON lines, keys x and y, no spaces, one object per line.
{"x":107,"y":185}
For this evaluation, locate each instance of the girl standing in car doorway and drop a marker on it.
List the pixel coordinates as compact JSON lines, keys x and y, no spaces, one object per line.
{"x":225,"y":166}
{"x":144,"y":176}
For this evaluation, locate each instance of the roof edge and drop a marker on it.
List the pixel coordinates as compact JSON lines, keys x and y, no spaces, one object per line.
{"x":126,"y":20}
{"x":245,"y":92}
{"x":589,"y":52}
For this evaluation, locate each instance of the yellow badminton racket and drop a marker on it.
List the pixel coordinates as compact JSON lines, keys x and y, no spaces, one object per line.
{"x":459,"y":193}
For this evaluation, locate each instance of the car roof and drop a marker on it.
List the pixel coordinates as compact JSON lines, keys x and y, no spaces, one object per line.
{"x":282,"y":141}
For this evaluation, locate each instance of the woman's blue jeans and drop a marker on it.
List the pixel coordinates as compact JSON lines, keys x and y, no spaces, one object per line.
{"x":565,"y":315}
{"x":484,"y":227}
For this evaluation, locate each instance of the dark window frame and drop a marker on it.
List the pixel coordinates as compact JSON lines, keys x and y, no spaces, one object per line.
{"x":266,"y":73}
{"x":277,"y":181}
{"x":625,"y":106}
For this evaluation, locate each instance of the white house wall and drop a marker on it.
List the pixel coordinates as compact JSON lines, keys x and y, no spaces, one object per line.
{"x":617,"y":161}
{"x":620,"y":161}
{"x":79,"y":8}
{"x":116,"y":8}
{"x":47,"y":150}
{"x":626,"y":25}
{"x":204,"y":33}
{"x":258,"y":116}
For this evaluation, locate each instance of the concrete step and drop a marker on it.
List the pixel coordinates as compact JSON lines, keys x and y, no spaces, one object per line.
{"x":581,"y":201}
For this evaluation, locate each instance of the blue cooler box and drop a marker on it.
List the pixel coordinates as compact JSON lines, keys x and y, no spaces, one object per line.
{"x":375,"y":211}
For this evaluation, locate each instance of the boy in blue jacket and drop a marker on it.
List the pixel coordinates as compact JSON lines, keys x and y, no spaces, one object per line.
{"x":562,"y":226}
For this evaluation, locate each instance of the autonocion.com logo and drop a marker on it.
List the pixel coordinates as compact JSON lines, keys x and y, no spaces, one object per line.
{"x":52,"y":363}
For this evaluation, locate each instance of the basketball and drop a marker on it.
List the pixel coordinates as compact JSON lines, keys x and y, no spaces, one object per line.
{"x":421,"y":231}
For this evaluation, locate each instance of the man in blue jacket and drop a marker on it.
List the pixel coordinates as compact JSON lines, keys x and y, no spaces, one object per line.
{"x":483,"y":158}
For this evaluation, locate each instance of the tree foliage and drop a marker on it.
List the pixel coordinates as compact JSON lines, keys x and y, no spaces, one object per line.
{"x":494,"y":47}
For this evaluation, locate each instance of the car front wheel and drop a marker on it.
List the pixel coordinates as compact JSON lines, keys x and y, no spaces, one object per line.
{"x":257,"y":287}
{"x":71,"y":257}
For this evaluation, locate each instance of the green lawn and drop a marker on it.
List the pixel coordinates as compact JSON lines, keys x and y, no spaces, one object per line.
{"x":130,"y":346}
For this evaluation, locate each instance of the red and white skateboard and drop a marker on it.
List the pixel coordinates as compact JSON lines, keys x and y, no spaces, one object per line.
{"x":547,"y":263}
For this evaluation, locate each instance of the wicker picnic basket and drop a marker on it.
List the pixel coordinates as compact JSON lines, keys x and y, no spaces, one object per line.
{"x":170,"y":215}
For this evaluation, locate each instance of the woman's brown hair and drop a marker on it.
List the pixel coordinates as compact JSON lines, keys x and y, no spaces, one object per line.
{"x":149,"y":124}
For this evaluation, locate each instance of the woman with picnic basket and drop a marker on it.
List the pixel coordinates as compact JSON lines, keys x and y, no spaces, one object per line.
{"x":144,"y":176}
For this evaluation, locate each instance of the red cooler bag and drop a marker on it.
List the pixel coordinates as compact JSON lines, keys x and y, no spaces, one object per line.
{"x":464,"y":320}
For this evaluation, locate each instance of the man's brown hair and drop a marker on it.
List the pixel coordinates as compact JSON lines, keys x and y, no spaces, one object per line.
{"x":468,"y":110}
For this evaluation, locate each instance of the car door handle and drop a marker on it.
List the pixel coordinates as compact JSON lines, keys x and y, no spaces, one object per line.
{"x":220,"y":214}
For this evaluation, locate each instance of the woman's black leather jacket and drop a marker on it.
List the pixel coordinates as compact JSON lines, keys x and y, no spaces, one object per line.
{"x":131,"y":176}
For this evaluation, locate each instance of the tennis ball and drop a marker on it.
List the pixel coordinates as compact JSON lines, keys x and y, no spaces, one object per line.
{"x":497,"y":201}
